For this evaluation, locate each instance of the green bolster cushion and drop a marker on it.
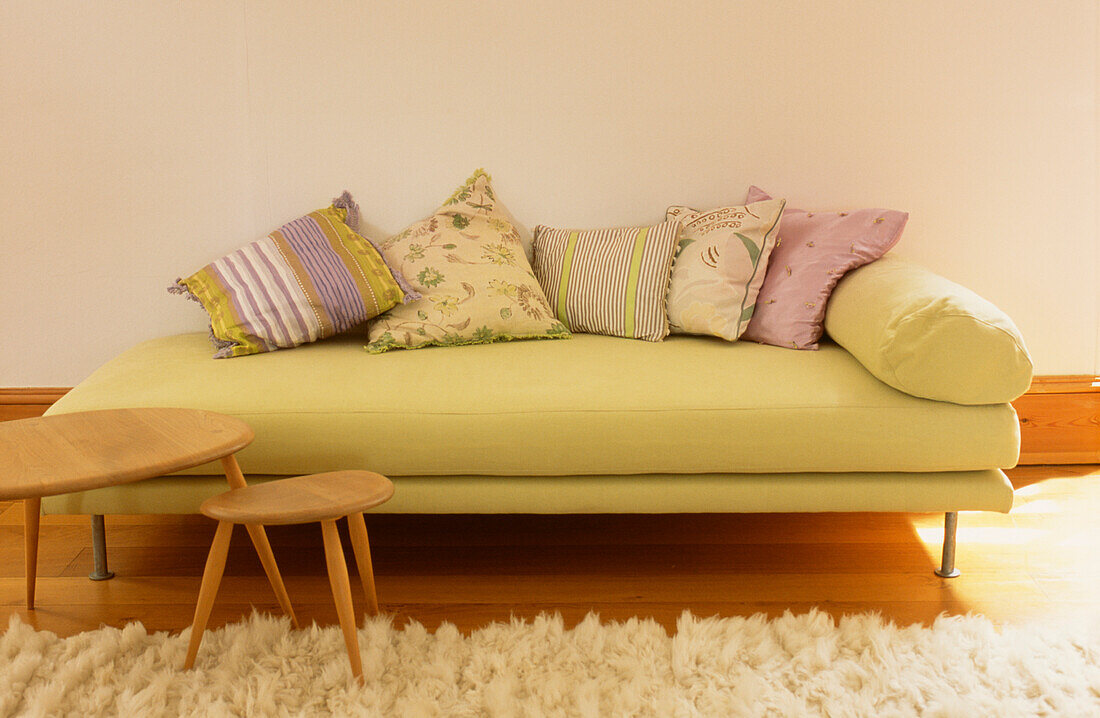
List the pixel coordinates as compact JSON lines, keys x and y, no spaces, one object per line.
{"x":927,"y":336}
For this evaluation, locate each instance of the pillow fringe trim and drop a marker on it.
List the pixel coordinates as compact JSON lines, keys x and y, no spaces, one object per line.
{"x":345,"y":201}
{"x":223,"y":348}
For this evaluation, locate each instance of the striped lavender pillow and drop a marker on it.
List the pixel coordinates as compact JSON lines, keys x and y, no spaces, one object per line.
{"x":608,"y":281}
{"x":308,"y":280}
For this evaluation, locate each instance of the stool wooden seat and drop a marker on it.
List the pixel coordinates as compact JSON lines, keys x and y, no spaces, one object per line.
{"x":303,"y":499}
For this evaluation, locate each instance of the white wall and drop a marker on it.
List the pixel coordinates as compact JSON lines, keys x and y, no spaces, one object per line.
{"x":140,"y":140}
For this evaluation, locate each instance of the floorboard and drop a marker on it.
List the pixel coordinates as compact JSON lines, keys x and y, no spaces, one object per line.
{"x":470,"y":570}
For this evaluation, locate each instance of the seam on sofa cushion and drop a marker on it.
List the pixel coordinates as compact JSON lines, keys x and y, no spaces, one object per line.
{"x":688,"y":410}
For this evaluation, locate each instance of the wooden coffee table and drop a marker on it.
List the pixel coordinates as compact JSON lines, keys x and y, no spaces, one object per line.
{"x":63,"y":453}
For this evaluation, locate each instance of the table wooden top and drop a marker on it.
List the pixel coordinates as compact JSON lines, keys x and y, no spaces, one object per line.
{"x":61,"y":453}
{"x":301,"y":499}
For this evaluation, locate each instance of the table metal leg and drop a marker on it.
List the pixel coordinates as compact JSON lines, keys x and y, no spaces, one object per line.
{"x":99,"y":550}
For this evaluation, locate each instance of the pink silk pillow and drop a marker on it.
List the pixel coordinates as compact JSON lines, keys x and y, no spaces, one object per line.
{"x":814,"y":250}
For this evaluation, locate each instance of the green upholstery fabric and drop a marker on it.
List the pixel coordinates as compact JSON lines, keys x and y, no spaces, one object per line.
{"x":657,"y":493}
{"x":928,"y":336}
{"x":590,"y":406}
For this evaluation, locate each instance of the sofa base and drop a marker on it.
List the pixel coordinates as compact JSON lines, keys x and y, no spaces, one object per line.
{"x":946,"y":491}
{"x":99,"y":551}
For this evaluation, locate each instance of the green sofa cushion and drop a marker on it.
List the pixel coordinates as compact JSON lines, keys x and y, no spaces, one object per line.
{"x":590,"y":406}
{"x":928,"y":336}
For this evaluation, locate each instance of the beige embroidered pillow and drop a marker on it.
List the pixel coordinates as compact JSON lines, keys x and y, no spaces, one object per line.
{"x":720,"y":266}
{"x":608,"y":281}
{"x":467,"y":262}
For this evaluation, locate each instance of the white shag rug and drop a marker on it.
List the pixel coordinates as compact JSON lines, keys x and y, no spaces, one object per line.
{"x":789,"y":666}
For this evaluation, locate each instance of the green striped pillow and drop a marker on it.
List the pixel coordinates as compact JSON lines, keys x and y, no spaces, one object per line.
{"x":608,"y":281}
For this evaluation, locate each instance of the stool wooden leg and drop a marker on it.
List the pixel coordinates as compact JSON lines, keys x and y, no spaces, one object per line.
{"x":358,"y":530}
{"x":259,"y":540}
{"x":211,"y":579}
{"x":267,"y":558}
{"x":341,"y":592}
{"x":32,"y":509}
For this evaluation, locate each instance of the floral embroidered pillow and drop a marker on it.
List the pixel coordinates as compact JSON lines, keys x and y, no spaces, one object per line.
{"x":813,"y":251}
{"x":720,"y":264}
{"x":468,"y":263}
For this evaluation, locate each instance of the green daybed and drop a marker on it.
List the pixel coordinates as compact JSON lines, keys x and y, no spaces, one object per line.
{"x":605,"y":425}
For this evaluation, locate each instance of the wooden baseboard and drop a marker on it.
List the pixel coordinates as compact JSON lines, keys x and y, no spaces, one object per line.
{"x":1060,"y":420}
{"x":1059,"y":417}
{"x":25,"y":402}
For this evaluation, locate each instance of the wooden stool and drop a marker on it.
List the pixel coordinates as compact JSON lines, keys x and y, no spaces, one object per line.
{"x":303,"y":499}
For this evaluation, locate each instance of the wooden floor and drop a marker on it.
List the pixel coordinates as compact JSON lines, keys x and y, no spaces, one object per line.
{"x":469,"y":570}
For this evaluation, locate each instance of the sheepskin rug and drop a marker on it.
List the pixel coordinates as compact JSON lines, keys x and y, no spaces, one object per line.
{"x":802,"y":665}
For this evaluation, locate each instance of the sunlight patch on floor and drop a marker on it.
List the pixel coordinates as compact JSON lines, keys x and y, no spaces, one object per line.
{"x":1029,"y":490}
{"x":995,"y":535}
{"x":1039,"y":506}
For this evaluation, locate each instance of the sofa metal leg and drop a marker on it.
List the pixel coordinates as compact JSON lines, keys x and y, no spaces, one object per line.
{"x":947,"y":565}
{"x":99,"y":550}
